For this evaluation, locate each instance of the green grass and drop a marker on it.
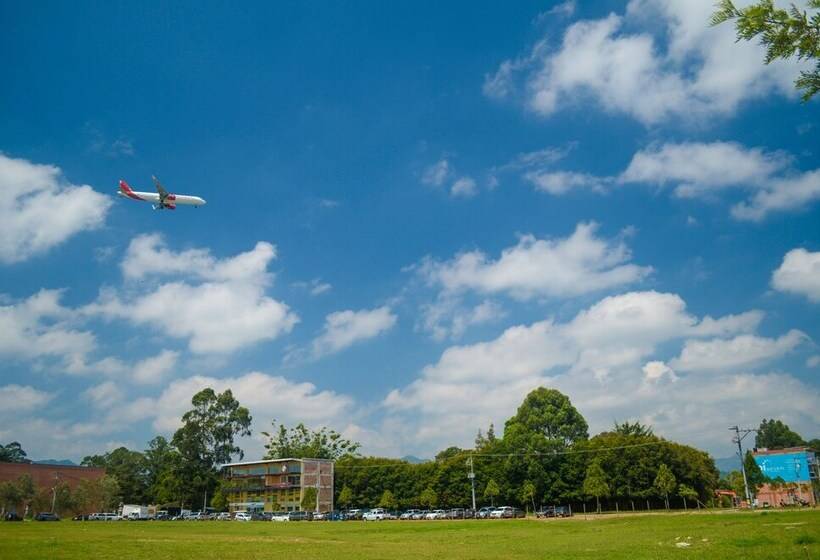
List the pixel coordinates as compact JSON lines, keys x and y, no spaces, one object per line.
{"x":792,"y":534}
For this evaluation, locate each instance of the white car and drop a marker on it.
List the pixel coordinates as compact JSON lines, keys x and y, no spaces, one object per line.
{"x":436,"y":514}
{"x":242,"y":516}
{"x":409,"y":514}
{"x":280,"y":516}
{"x":377,"y":514}
{"x":501,"y":512}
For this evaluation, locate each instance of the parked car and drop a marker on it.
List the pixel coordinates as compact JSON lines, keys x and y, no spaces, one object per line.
{"x":376,"y":514}
{"x":503,"y":512}
{"x":409,"y":514}
{"x":223,"y":516}
{"x":484,"y":513}
{"x":469,"y":514}
{"x":301,"y":516}
{"x":11,"y":516}
{"x":553,"y":511}
{"x":421,"y":514}
{"x":242,"y":516}
{"x":81,"y":518}
{"x":280,"y":516}
{"x":455,"y":513}
{"x":354,"y":514}
{"x":46,"y":516}
{"x":436,"y":514}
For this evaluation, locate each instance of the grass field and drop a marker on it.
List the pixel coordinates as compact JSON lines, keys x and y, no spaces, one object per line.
{"x":794,"y":534}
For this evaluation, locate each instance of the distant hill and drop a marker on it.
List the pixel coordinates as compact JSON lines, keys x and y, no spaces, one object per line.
{"x":65,"y":462}
{"x":413,"y":459}
{"x":727,"y":464}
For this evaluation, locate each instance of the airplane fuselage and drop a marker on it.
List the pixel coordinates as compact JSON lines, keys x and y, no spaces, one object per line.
{"x":172,"y":198}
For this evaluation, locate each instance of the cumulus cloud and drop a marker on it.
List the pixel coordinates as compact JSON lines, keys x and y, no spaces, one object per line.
{"x":16,"y":399}
{"x":799,"y":273}
{"x":698,"y":169}
{"x":442,"y":172}
{"x":153,"y":369}
{"x":449,"y":317}
{"x":579,"y":264}
{"x":741,"y":352}
{"x":436,"y":174}
{"x":343,"y":329}
{"x":29,"y":223}
{"x":464,"y":187}
{"x":696,"y":71}
{"x":219,"y":305}
{"x":105,"y":395}
{"x":562,"y":182}
{"x":606,"y":359}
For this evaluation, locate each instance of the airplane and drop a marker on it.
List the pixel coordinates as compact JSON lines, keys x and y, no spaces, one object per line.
{"x":163,"y":199}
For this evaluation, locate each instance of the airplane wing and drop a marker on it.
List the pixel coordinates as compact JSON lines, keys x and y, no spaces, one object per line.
{"x":163,"y":194}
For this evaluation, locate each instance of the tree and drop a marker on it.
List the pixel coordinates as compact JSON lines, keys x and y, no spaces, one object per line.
{"x":159,"y":458}
{"x":13,"y":453}
{"x":784,"y":33}
{"x":774,"y":434}
{"x":219,"y":500}
{"x":633,"y":429}
{"x":9,"y":496}
{"x":27,"y":491}
{"x":387,"y":501}
{"x":309,"y":499}
{"x":595,"y":483}
{"x":491,"y":491}
{"x":754,"y":476}
{"x":63,"y":500}
{"x":687,"y":493}
{"x":428,"y":498}
{"x":665,"y":483}
{"x":527,"y":493}
{"x":128,"y":467}
{"x":345,"y":497}
{"x":550,"y":413}
{"x":300,"y":442}
{"x":207,"y":439}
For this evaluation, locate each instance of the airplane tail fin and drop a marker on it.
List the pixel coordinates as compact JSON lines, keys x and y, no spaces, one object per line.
{"x":124,"y":188}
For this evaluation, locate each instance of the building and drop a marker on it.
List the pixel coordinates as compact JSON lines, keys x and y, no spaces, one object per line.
{"x":46,"y":476}
{"x":795,"y":474}
{"x":278,"y":484}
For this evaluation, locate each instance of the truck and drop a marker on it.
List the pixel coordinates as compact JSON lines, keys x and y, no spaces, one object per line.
{"x":134,"y":512}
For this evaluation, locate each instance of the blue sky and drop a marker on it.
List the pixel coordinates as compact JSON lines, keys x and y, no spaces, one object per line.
{"x":416,"y":214}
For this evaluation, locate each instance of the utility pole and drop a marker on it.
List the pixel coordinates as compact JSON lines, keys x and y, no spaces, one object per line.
{"x":471,"y":476}
{"x":737,"y":439}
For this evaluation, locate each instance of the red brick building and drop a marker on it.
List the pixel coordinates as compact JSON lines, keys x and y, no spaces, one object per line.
{"x":46,"y":476}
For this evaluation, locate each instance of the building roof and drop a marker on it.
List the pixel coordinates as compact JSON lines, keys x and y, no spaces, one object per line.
{"x":267,"y":461}
{"x":784,"y":451}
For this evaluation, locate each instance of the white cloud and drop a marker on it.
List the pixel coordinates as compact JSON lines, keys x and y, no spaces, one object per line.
{"x":813,"y":361}
{"x":219,"y":305}
{"x":436,"y":174}
{"x":579,"y":264}
{"x":448,"y":317}
{"x":315,"y":287}
{"x":738,"y":353}
{"x":105,"y":395}
{"x":617,"y":63}
{"x":702,"y":169}
{"x":561,"y":182}
{"x":799,"y":273}
{"x":606,"y":360}
{"x":39,"y":209}
{"x":15,"y":399}
{"x":343,"y":329}
{"x":464,"y":187}
{"x":40,"y":327}
{"x":153,"y":369}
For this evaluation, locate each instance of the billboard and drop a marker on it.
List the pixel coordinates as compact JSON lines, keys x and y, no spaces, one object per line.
{"x":791,"y":467}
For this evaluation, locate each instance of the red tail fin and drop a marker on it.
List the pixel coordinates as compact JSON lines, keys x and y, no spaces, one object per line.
{"x":124,"y":187}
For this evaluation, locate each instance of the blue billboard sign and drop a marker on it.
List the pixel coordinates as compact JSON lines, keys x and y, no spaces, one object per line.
{"x":791,"y":467}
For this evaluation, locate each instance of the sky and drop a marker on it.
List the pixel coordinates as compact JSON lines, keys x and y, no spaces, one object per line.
{"x":416,"y":213}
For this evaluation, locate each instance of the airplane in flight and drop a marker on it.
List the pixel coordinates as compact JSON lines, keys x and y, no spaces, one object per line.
{"x":162,"y":199}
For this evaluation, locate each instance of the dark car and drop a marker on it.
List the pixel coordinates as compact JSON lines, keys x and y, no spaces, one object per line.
{"x":518,"y":513}
{"x":81,"y":518}
{"x":301,"y":516}
{"x":11,"y":516}
{"x":46,"y":516}
{"x":553,"y":511}
{"x":455,"y":513}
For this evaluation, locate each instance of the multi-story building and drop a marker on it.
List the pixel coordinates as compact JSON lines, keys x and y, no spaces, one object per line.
{"x":795,"y":476}
{"x":278,"y":484}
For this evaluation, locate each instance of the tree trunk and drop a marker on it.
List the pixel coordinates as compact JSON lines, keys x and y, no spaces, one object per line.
{"x":598,"y":504}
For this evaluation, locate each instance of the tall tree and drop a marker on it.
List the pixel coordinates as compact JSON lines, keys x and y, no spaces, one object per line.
{"x":345,"y":498}
{"x":301,"y":442}
{"x":774,"y":434}
{"x":129,"y":468}
{"x":754,"y":476}
{"x":665,"y":483}
{"x":491,"y":491}
{"x":550,"y":413}
{"x":13,"y":453}
{"x":428,"y":498}
{"x":387,"y":501}
{"x":27,"y":491}
{"x":309,"y":499}
{"x":687,"y":493}
{"x":9,"y":496}
{"x":595,"y":483}
{"x":527,"y":493}
{"x":207,"y":438}
{"x":633,"y":429}
{"x":784,"y":33}
{"x":159,"y":458}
